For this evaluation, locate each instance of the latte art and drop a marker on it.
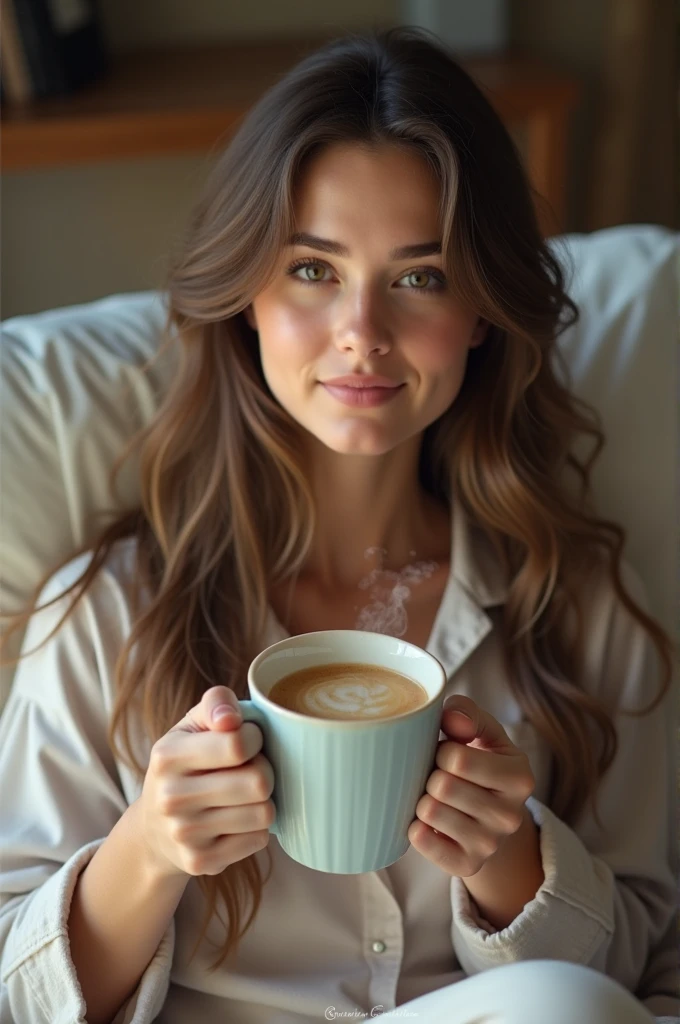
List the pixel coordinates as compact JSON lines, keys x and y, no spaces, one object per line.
{"x":348,"y":691}
{"x":352,"y":697}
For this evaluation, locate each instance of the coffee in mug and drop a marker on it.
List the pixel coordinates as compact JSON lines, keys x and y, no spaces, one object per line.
{"x":348,"y":691}
{"x":346,"y":789}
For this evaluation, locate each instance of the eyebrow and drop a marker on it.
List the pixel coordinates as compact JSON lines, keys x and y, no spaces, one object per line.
{"x":401,"y":252}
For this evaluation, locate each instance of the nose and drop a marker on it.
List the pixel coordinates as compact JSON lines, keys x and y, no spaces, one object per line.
{"x":363,"y":330}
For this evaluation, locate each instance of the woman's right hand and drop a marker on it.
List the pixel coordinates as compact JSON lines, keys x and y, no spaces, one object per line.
{"x":205,"y":800}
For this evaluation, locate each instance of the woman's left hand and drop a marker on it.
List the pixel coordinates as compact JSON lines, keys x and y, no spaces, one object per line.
{"x":475,"y":796}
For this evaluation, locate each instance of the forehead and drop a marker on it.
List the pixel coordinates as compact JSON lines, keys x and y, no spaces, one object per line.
{"x":362,"y":188}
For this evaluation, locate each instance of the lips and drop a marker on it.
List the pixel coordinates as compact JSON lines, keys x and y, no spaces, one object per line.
{"x":361,"y":380}
{"x":361,"y":390}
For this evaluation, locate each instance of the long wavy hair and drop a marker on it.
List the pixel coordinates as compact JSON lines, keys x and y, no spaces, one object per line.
{"x":226,"y":510}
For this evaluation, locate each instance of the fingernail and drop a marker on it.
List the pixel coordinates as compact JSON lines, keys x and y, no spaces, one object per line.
{"x":452,"y":707}
{"x":224,"y":711}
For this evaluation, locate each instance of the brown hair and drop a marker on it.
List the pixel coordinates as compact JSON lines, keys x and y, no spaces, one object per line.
{"x":226,"y":511}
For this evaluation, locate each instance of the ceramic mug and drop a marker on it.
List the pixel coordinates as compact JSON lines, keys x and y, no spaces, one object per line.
{"x":346,"y":791}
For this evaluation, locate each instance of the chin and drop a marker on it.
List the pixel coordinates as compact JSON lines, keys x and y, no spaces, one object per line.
{"x":360,"y":442}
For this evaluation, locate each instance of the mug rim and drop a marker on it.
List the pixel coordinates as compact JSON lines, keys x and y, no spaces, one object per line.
{"x":353,"y":723}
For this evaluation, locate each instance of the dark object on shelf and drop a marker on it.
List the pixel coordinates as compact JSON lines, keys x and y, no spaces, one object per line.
{"x":49,"y":47}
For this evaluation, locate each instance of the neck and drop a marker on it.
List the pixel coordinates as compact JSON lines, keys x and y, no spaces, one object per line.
{"x":372,"y":513}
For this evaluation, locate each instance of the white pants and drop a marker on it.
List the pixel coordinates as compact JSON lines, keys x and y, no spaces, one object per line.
{"x":530,"y":992}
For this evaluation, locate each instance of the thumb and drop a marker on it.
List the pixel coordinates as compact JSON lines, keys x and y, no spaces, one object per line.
{"x":460,"y":719}
{"x":465,"y":721}
{"x":218,"y":711}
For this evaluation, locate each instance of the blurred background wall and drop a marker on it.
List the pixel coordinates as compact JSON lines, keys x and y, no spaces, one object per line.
{"x":73,"y":233}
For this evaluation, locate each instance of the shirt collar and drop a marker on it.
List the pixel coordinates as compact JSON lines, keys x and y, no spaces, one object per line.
{"x":475,"y":563}
{"x":477,"y":580}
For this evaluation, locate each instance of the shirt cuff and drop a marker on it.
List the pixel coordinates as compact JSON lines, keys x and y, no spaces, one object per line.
{"x":40,"y":977}
{"x":570,"y":917}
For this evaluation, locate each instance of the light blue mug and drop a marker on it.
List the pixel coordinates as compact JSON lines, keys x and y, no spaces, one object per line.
{"x":346,"y":791}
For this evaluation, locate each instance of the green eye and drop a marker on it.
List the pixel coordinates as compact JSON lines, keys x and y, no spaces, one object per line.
{"x":415,"y":277}
{"x":417,"y":274}
{"x":307,"y":264}
{"x":314,"y":267}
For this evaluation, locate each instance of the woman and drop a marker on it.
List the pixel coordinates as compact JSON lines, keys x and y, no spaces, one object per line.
{"x":366,"y":427}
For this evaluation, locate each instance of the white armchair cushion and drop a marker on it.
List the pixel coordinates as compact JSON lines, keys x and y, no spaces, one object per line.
{"x":623,"y":360}
{"x":72,"y":391}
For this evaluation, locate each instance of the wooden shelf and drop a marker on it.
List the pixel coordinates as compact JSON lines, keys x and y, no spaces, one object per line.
{"x":189,"y":100}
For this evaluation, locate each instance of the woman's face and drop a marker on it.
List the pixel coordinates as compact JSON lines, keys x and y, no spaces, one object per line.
{"x":345,"y":302}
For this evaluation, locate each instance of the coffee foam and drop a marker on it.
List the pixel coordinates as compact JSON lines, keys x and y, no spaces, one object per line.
{"x":348,"y":691}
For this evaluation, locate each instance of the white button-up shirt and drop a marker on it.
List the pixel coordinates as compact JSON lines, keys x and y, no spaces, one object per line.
{"x":350,"y":942}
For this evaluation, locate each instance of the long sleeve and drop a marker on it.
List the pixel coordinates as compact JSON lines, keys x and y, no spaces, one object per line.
{"x":609,"y":896}
{"x":61,"y":794}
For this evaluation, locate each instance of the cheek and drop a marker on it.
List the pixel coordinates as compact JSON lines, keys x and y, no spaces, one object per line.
{"x":288,"y":337}
{"x":442,"y":352}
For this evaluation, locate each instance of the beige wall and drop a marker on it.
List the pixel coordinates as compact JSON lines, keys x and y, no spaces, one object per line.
{"x":72,"y":234}
{"x":130,"y":23}
{"x":574,"y":34}
{"x":571,"y":34}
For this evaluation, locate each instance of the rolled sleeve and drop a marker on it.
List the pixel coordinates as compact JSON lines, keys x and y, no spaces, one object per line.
{"x":568,"y":919}
{"x":609,"y":895}
{"x":41,"y":986}
{"x":61,"y":794}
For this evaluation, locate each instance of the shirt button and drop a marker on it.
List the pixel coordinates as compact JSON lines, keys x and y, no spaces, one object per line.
{"x":378,"y":946}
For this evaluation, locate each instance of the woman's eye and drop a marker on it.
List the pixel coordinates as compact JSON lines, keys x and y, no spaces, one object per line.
{"x":417,"y":280}
{"x":308,"y":266}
